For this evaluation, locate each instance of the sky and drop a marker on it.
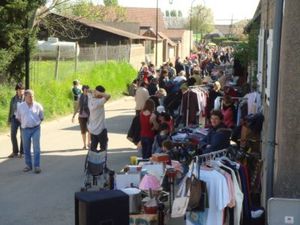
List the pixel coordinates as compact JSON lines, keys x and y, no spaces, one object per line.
{"x":224,"y":10}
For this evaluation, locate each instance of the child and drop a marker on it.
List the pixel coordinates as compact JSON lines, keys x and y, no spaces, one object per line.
{"x":166,"y":118}
{"x":168,"y":147}
{"x":163,"y":134}
{"x":76,"y":91}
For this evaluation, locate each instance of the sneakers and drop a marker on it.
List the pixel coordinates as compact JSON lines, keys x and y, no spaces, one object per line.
{"x":27,"y":169}
{"x":21,"y":155}
{"x":37,"y":170}
{"x":13,"y":155}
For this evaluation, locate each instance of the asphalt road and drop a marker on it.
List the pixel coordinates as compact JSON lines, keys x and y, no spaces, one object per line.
{"x":48,"y":198}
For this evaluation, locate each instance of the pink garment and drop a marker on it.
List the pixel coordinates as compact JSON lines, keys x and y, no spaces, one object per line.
{"x":228,"y":117}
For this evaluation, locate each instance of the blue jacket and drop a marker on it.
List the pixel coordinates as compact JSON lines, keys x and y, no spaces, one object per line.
{"x":218,"y":138}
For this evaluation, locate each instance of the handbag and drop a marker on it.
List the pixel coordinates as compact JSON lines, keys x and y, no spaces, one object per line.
{"x":195,"y":187}
{"x":181,"y":202}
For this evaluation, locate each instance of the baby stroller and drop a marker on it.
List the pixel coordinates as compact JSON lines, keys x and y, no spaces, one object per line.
{"x":96,"y":169}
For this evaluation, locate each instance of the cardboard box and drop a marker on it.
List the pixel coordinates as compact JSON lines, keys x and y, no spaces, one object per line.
{"x":127,"y":180}
{"x":160,"y":158}
{"x":157,"y":169}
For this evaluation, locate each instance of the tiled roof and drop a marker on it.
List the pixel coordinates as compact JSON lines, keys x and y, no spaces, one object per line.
{"x":146,"y":17}
{"x":174,"y":34}
{"x":162,"y":35}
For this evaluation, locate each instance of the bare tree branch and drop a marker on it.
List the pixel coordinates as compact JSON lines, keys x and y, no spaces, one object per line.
{"x":64,"y":27}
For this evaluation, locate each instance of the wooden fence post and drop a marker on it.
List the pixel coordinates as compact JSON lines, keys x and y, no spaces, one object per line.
{"x":57,"y":61}
{"x":119,"y":57}
{"x":95,"y":52}
{"x":106,"y":51}
{"x":76,"y":57}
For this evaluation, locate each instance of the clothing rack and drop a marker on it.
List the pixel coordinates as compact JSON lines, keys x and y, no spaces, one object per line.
{"x":212,"y":154}
{"x":201,"y":86}
{"x":236,"y":98}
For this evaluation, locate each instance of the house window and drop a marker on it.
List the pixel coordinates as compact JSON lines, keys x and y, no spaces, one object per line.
{"x":269,"y":65}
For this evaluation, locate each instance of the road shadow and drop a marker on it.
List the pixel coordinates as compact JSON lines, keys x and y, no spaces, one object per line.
{"x":119,"y":124}
{"x":72,"y":128}
{"x":115,"y":124}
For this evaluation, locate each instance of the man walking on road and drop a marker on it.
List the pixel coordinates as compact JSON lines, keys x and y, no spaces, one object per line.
{"x":96,"y":124}
{"x":14,"y":123}
{"x":30,"y":114}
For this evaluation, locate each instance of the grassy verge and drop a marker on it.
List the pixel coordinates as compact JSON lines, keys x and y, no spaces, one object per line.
{"x":56,"y":96}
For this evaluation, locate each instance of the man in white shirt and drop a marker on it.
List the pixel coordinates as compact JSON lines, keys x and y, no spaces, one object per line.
{"x":96,"y":123}
{"x":141,"y":95}
{"x":30,"y":114}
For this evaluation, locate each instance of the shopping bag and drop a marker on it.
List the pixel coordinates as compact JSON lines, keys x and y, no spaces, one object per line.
{"x":195,"y":186}
{"x":181,"y":202}
{"x":179,"y":206}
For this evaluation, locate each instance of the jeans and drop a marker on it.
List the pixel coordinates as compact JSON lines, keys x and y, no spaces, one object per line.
{"x":14,"y":126}
{"x":146,"y":147}
{"x":101,"y":138}
{"x":33,"y":134}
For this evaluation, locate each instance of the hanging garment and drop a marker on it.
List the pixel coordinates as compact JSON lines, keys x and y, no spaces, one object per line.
{"x":218,"y":197}
{"x":189,"y":108}
{"x":254,"y":102}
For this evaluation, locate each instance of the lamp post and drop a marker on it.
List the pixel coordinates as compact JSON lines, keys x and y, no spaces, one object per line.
{"x":191,"y":13}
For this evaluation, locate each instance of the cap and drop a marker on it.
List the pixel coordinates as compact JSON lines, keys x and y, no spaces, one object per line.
{"x":160,"y":109}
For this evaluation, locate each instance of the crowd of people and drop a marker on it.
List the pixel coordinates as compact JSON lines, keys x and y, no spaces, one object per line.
{"x":202,"y":89}
{"x":199,"y":90}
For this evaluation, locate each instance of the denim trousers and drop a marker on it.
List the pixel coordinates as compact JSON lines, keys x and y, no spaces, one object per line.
{"x":14,"y":126}
{"x":146,"y":147}
{"x":33,"y":134}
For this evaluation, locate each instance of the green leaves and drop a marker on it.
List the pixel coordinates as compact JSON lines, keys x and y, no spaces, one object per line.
{"x":13,"y":30}
{"x":201,"y":20}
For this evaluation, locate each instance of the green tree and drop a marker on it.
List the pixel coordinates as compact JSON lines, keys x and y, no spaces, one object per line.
{"x":179,"y":13}
{"x":167,"y":13}
{"x":17,"y":19}
{"x":237,"y":29}
{"x":111,"y":12}
{"x":110,"y":2}
{"x":173,"y":13}
{"x":201,"y":19}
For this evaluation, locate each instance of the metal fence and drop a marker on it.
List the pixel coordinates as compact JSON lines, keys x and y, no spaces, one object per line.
{"x":58,"y":65}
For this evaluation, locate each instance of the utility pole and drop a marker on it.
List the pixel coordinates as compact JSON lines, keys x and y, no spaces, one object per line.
{"x":191,"y":14}
{"x":156,"y":36}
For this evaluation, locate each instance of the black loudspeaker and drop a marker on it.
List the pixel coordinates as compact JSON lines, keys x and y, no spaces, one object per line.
{"x":102,"y":208}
